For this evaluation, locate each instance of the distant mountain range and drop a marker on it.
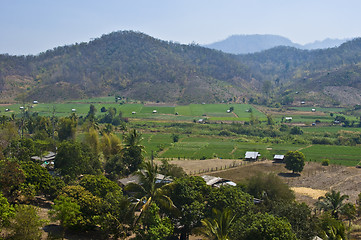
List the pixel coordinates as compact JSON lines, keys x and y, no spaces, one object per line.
{"x":243,"y":44}
{"x":140,"y":67}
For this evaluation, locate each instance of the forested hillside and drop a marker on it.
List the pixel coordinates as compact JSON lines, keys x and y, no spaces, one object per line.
{"x":129,"y":64}
{"x":137,"y":66}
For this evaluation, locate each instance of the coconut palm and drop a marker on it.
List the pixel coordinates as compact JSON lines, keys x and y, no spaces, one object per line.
{"x":334,"y":202}
{"x":150,"y":189}
{"x":133,"y":150}
{"x":217,"y":227}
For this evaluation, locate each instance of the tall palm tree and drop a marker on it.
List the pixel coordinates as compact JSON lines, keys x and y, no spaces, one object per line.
{"x":334,"y":202}
{"x":217,"y":227}
{"x":150,"y":189}
{"x":133,"y":150}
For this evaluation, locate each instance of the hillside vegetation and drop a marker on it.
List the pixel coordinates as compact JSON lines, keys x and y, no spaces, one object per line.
{"x":137,"y":66}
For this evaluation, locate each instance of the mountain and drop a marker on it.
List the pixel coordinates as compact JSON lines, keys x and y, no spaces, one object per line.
{"x":126,"y":63}
{"x":140,"y":67}
{"x":243,"y":44}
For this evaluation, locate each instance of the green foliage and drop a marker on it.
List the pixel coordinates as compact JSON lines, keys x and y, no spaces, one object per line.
{"x":217,"y":227}
{"x":296,"y":130}
{"x":11,"y":179}
{"x":155,"y":227}
{"x":172,"y":170}
{"x":325,"y":162}
{"x":89,"y":204}
{"x":116,"y":215}
{"x":21,"y":149}
{"x":331,"y":228}
{"x":133,"y":150}
{"x":37,"y":176}
{"x":303,"y":223}
{"x":188,"y":195}
{"x":332,"y":202}
{"x":263,"y":227}
{"x":66,"y":129}
{"x":26,"y":224}
{"x":73,"y":159}
{"x":230,"y":197}
{"x":6,"y":212}
{"x":270,"y":188}
{"x":175,"y":138}
{"x":295,"y":161}
{"x":99,"y":185}
{"x":66,"y":211}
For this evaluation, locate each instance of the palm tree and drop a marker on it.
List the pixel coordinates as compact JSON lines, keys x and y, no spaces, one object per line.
{"x":150,"y":189}
{"x":217,"y":227}
{"x":334,"y":202}
{"x":133,"y":150}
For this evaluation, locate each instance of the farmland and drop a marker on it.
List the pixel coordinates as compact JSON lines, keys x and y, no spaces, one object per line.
{"x":219,"y":140}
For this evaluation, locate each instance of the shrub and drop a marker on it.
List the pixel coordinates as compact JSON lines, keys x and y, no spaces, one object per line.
{"x":325,"y":162}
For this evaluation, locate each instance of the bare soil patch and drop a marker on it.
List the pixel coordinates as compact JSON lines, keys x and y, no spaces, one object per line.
{"x":313,"y":181}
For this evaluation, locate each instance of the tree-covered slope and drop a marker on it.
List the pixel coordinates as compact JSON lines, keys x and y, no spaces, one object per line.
{"x":130,"y":64}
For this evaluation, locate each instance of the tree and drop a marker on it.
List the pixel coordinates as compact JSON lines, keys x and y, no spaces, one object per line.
{"x":26,"y":223}
{"x":331,"y":228}
{"x":133,"y":150}
{"x":230,"y":197}
{"x":189,"y":196}
{"x":99,"y":185}
{"x":89,"y":204}
{"x":296,"y":130}
{"x":295,"y":161}
{"x":6,"y":212}
{"x":150,"y":191}
{"x":270,"y":188}
{"x":333,"y":202}
{"x":67,"y":129}
{"x":11,"y":178}
{"x":66,"y":211}
{"x":37,"y":176}
{"x":262,"y":227}
{"x":217,"y":227}
{"x":303,"y":223}
{"x":155,"y":227}
{"x":73,"y":159}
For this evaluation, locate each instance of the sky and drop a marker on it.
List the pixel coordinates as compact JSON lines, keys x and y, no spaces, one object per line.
{"x":34,"y":26}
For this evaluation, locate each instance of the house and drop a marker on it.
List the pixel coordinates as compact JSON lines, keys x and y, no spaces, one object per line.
{"x":217,"y":181}
{"x":313,"y":110}
{"x":288,"y":119}
{"x":228,"y":111}
{"x":134,"y":178}
{"x":35,"y":102}
{"x":7,"y":110}
{"x":154,"y":111}
{"x":73,"y":110}
{"x":22,"y":108}
{"x":278,"y":158}
{"x":46,"y":161}
{"x":252,"y":156}
{"x":133,"y":112}
{"x":303,"y":102}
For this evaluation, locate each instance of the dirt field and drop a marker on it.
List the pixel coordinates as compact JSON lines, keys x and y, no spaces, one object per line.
{"x":313,"y":182}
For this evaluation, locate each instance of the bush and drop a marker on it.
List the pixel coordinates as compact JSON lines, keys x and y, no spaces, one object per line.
{"x":325,"y":162}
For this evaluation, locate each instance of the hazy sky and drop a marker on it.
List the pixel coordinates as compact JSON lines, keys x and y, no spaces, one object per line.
{"x":34,"y":26}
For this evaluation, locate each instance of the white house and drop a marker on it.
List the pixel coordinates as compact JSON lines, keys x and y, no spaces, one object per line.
{"x":252,"y":156}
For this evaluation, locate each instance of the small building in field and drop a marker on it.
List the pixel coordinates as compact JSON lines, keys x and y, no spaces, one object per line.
{"x":73,"y":110}
{"x":228,"y":111}
{"x":155,"y":111}
{"x":35,"y":102}
{"x":278,"y":158}
{"x":46,"y":161}
{"x":252,"y":156}
{"x":133,"y":112}
{"x":288,"y":119}
{"x":313,"y":110}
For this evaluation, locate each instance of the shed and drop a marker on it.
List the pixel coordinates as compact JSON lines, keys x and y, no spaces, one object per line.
{"x":73,"y":110}
{"x":155,"y":111}
{"x":35,"y":102}
{"x":133,"y":112}
{"x":288,"y":119}
{"x":252,"y":156}
{"x":217,"y":181}
{"x":313,"y":110}
{"x":279,"y":158}
{"x":228,"y":111}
